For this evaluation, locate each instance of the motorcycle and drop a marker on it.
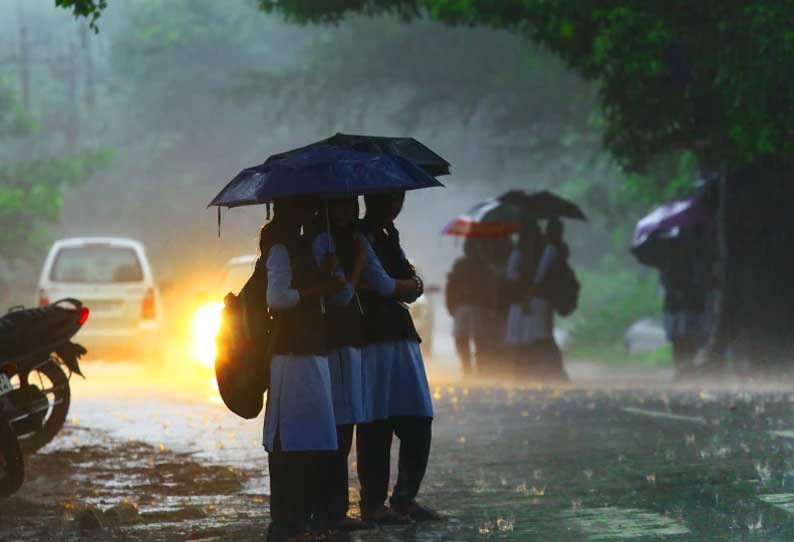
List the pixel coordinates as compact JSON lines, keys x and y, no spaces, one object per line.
{"x":37,"y":360}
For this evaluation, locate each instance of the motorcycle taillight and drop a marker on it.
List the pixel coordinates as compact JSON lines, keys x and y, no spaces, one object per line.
{"x":148,"y":309}
{"x":83,"y":315}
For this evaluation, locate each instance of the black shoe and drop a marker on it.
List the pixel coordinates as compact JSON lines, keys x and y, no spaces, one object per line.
{"x":348,"y":524}
{"x":417,"y":512}
{"x":282,"y":533}
{"x":384,"y":516}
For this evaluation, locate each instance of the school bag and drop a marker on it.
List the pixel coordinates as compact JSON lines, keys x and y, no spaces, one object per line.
{"x":561,"y":288}
{"x":242,"y":361}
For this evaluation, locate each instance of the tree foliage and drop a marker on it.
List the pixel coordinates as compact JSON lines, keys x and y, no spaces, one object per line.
{"x":90,"y":9}
{"x":714,"y":77}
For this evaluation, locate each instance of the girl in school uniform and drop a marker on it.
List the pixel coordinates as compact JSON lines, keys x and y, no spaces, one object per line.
{"x":530,"y":322}
{"x":345,"y":340}
{"x":396,"y":393}
{"x":300,"y":428}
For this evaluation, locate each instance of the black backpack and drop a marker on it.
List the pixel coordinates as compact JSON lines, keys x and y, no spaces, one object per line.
{"x":561,"y":288}
{"x":242,"y":362}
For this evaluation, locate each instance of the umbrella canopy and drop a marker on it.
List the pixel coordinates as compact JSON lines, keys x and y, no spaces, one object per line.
{"x":322,"y":171}
{"x":657,"y":233}
{"x":404,"y":147}
{"x":544,"y":204}
{"x":503,"y":215}
{"x":492,"y":218}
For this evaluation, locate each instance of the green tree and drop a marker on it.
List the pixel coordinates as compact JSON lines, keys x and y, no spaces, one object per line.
{"x":31,"y":190}
{"x":713,"y":78}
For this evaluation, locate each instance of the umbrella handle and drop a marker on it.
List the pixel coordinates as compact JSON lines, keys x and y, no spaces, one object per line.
{"x":327,"y":222}
{"x":328,"y":233}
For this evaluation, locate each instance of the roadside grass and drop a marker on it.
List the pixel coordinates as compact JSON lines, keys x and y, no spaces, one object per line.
{"x":610,"y":301}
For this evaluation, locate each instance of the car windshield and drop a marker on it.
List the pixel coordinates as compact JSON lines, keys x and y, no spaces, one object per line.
{"x":97,"y":264}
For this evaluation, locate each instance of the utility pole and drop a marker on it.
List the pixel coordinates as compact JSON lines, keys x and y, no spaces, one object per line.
{"x":88,"y":64}
{"x":73,"y":115}
{"x":23,"y":62}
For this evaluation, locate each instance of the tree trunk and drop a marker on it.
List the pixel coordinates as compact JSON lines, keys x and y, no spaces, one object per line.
{"x":755,"y":327}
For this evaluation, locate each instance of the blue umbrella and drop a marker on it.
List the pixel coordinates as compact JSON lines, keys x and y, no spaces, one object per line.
{"x":323,"y":171}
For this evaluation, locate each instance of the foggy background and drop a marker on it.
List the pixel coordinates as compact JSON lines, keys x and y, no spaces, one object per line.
{"x":176,"y":97}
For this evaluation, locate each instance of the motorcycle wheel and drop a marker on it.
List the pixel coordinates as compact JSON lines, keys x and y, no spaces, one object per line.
{"x":12,"y":462}
{"x":52,"y":382}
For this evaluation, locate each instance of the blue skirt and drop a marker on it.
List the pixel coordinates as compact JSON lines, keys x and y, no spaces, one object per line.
{"x":527,"y":324}
{"x":346,"y":369}
{"x":299,"y":405}
{"x":394,"y":382}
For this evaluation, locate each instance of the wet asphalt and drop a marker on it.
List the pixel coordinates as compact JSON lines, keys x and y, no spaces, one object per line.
{"x":609,"y":458}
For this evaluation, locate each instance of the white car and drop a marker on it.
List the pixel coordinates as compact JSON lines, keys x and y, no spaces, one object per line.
{"x":113,"y":278}
{"x":236,"y":273}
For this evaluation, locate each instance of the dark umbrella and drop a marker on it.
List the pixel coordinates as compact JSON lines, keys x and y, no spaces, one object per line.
{"x":404,"y":147}
{"x":324,"y":172}
{"x":658,"y":233}
{"x":544,"y":204}
{"x":503,"y":215}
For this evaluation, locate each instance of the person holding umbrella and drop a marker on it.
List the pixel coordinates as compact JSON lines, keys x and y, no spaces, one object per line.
{"x":300,"y":414}
{"x":300,"y":428}
{"x":396,"y":393}
{"x":553,"y":263}
{"x":344,"y":326}
{"x":538,"y":280}
{"x":471,"y":300}
{"x":530,"y":317}
{"x":677,"y":238}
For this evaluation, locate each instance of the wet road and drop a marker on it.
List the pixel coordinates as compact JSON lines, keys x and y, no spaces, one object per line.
{"x":601,"y":461}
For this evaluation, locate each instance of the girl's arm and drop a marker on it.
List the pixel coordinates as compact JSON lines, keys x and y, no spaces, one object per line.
{"x":376,"y":278}
{"x":324,"y":249}
{"x":280,"y":294}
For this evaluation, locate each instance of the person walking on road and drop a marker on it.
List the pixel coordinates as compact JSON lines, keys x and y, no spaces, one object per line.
{"x":530,"y":324}
{"x":688,"y":284}
{"x":396,"y":393}
{"x":471,"y":301}
{"x":553,"y":262}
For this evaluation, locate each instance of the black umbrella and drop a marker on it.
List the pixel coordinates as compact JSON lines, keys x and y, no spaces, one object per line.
{"x":323,"y":171}
{"x":543,"y":204}
{"x":404,"y":147}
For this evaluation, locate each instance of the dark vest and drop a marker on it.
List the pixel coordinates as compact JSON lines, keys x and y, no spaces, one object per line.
{"x":300,"y":330}
{"x":386,"y":319}
{"x":345,"y":323}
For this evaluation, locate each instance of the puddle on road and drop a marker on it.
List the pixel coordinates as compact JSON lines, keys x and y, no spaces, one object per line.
{"x":622,"y":523}
{"x":783,"y":501}
{"x":508,"y":462}
{"x":667,"y":415}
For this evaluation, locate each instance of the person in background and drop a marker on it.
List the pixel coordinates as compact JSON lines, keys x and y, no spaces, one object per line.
{"x":470,"y":300}
{"x":396,"y":393}
{"x":300,"y":429}
{"x":491,"y":348}
{"x":345,"y":339}
{"x":687,"y":281}
{"x":555,"y":255}
{"x":530,"y":324}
